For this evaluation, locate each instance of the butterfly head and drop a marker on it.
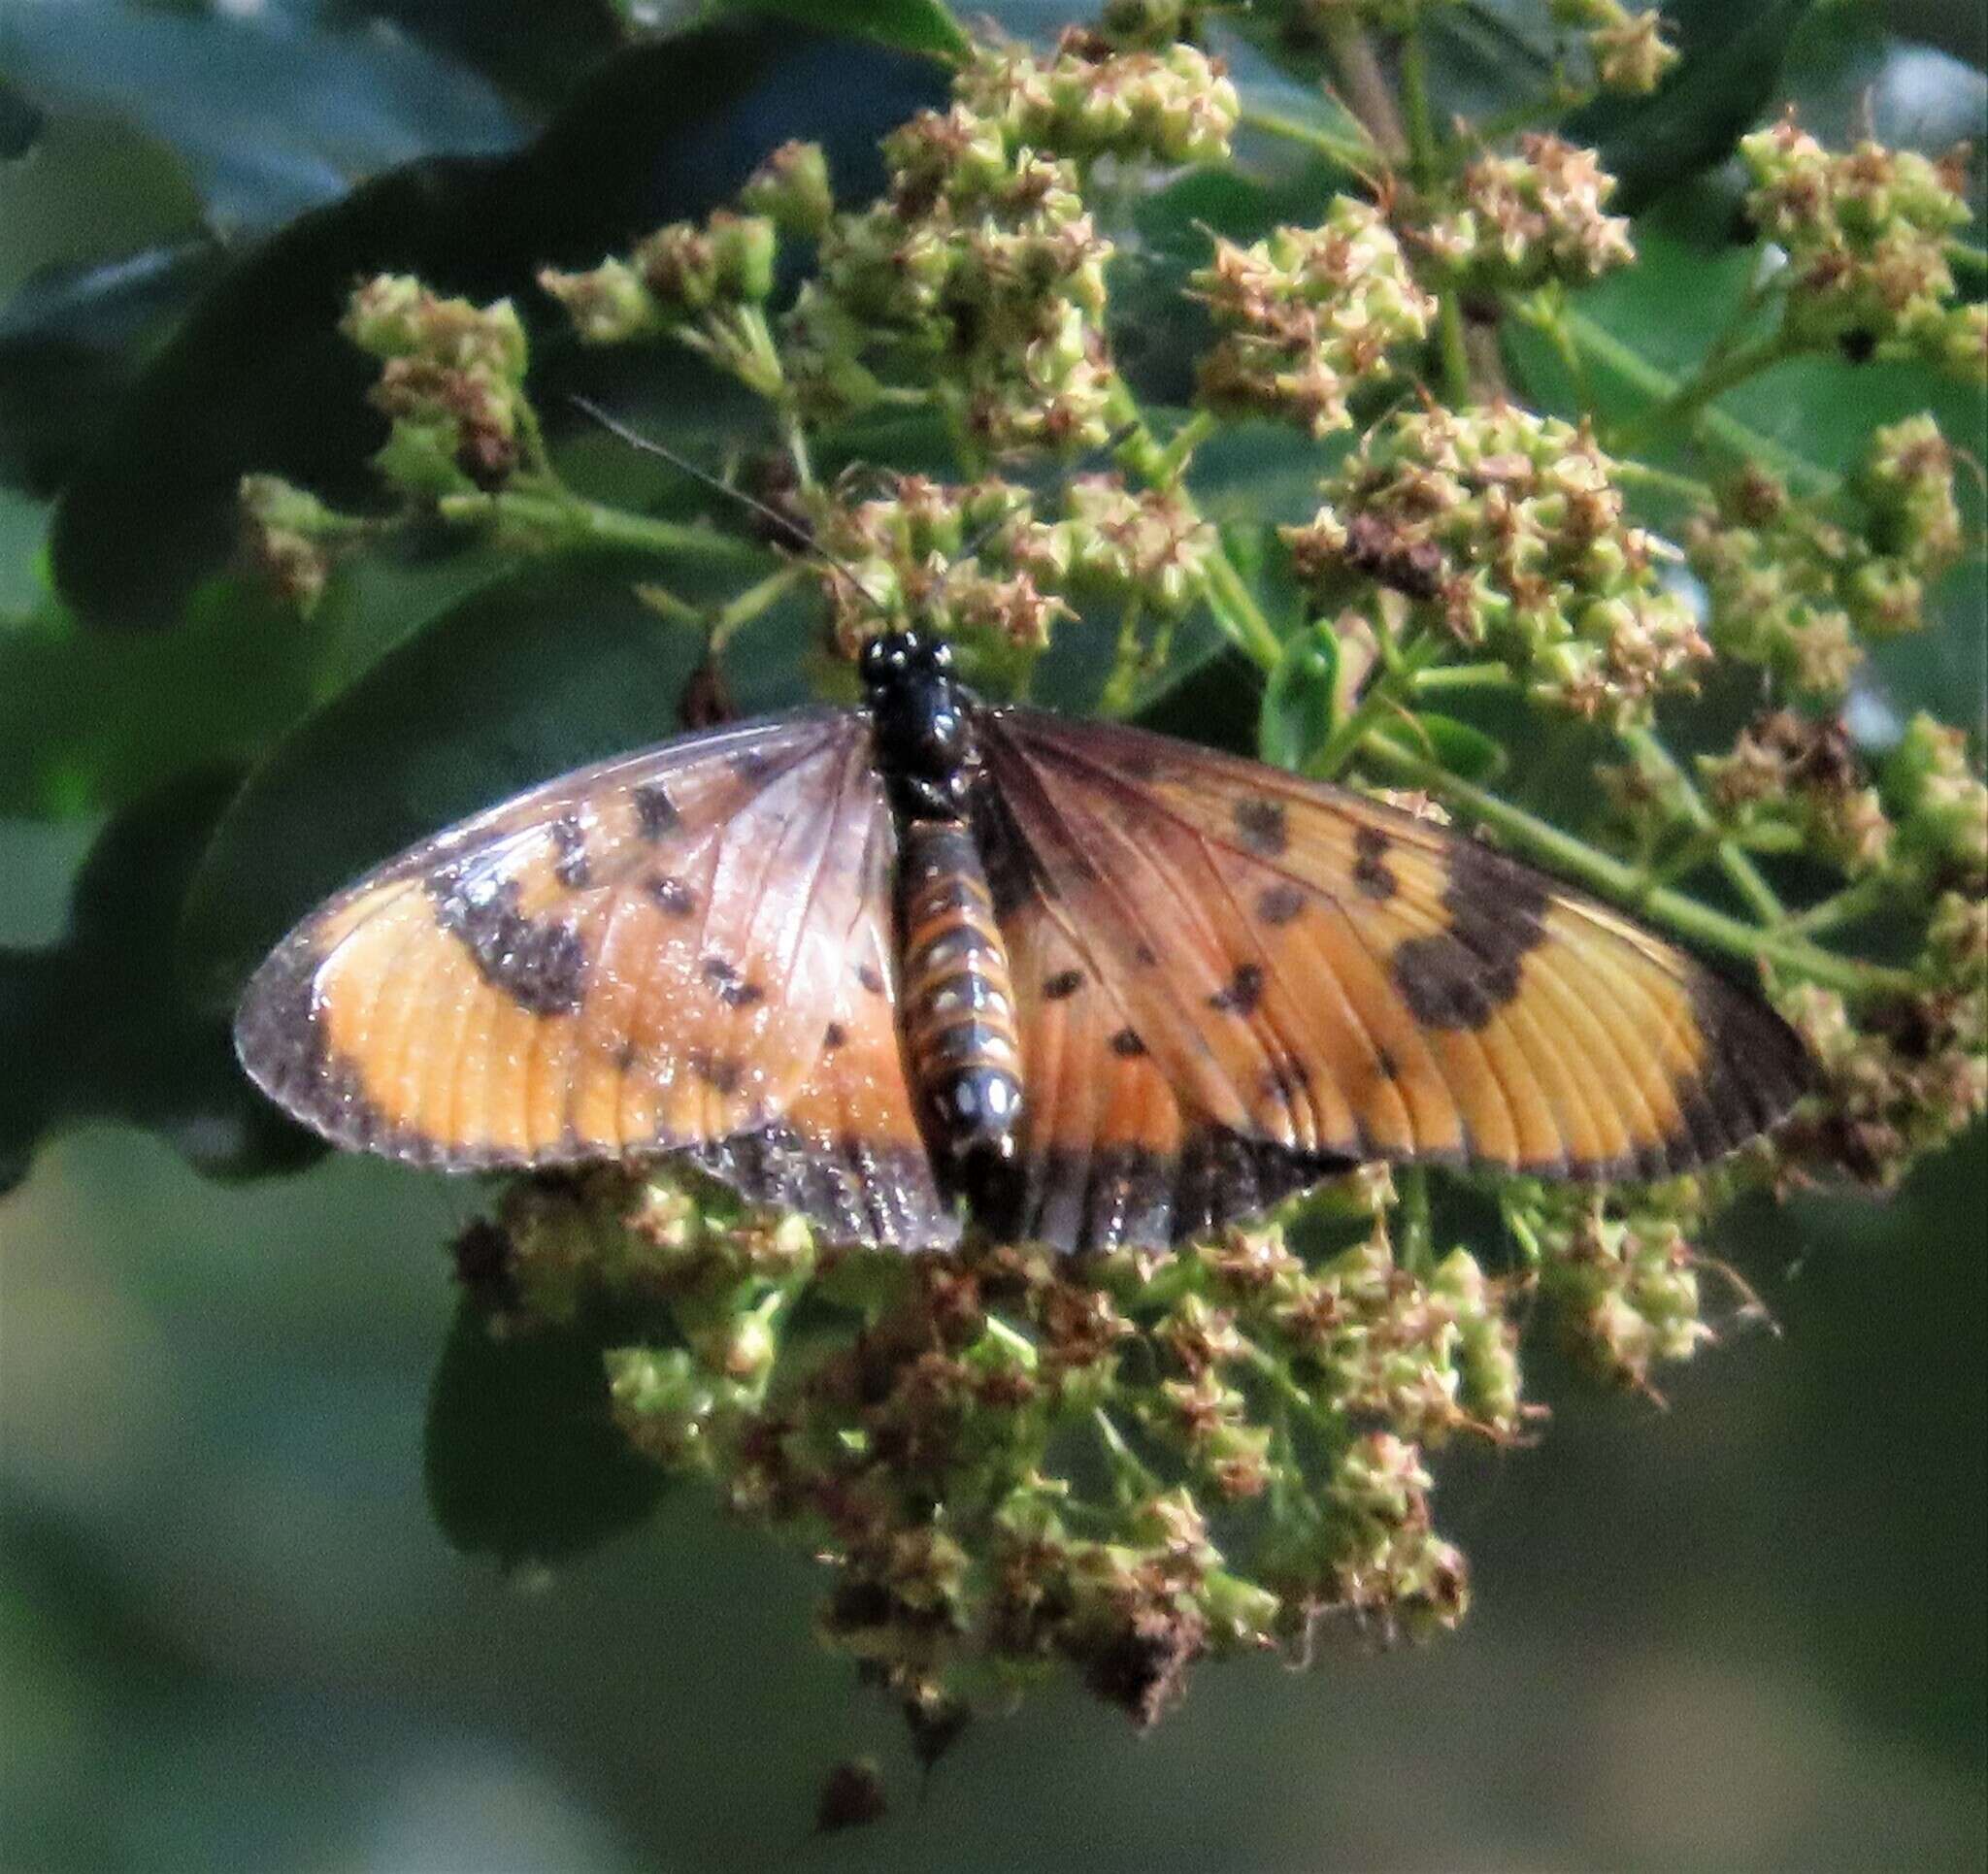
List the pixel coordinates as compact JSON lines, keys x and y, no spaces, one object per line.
{"x":923,"y":721}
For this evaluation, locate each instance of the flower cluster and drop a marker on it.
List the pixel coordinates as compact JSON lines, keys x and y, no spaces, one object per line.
{"x":1090,"y":99}
{"x":1310,"y":317}
{"x":978,"y":565}
{"x":1796,"y":584}
{"x":1628,"y":47}
{"x":1802,"y":774}
{"x":981,"y":260}
{"x":1513,"y":527}
{"x":674,"y":277}
{"x":1003,"y":1456}
{"x":1865,"y":234}
{"x":1620,"y":1279}
{"x":1523,"y":220}
{"x":1898,"y":1076}
{"x":286,"y":533}
{"x":452,"y":382}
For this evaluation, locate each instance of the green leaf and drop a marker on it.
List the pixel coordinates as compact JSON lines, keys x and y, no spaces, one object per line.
{"x":518,"y":683}
{"x":269,"y":117}
{"x":86,"y":187}
{"x":921,"y":27}
{"x":523,"y":1462}
{"x":88,"y":724}
{"x":1465,"y":752}
{"x":94,"y":1027}
{"x":1301,"y":699}
{"x":258,"y":378}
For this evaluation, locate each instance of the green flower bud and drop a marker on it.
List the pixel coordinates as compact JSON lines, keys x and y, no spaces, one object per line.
{"x":609,"y":305}
{"x":791,"y":189}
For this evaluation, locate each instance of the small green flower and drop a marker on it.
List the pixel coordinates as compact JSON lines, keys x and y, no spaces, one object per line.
{"x":1524,"y":219}
{"x":1513,"y":527}
{"x":1310,"y":317}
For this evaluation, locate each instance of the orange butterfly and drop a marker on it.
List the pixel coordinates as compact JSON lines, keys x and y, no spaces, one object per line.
{"x":1111,"y":989}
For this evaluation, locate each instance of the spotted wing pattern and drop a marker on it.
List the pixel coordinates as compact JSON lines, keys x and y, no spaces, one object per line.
{"x":1230,"y":981}
{"x":668,"y":952}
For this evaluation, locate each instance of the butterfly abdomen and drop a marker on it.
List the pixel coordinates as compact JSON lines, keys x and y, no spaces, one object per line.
{"x":958,"y":1000}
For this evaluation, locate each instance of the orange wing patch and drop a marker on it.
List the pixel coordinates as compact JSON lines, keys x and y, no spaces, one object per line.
{"x":1323,"y":976}
{"x":647,"y":956}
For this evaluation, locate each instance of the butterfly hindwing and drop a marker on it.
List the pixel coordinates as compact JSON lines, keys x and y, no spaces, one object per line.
{"x":645,"y":956}
{"x":1320,"y":978}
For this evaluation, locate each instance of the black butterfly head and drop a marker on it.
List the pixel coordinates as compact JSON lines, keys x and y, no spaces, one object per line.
{"x":893,"y":657}
{"x":924,"y":734}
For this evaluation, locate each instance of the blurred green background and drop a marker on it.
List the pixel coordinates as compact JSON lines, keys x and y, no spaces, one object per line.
{"x":1747,"y":1631}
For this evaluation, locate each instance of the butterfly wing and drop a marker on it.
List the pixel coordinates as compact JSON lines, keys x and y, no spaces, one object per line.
{"x":650,"y":955}
{"x":1230,"y":981}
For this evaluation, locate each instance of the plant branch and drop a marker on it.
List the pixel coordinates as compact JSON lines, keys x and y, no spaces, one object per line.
{"x":1358,"y":70}
{"x":567,"y":519}
{"x":1714,"y":426}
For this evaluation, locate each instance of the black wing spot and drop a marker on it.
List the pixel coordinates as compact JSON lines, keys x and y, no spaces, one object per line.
{"x":655,"y":813}
{"x":1144,"y":955}
{"x":1281,"y":904}
{"x":834,"y":1036}
{"x":752,"y":764}
{"x":1260,"y":825}
{"x":1371,"y":872}
{"x":1065,"y":982}
{"x":1242,"y":993}
{"x":1387,"y":1066}
{"x":540,"y":964}
{"x":867,"y":975}
{"x":671,"y":895}
{"x":1462,"y":976}
{"x":1127,"y":1046}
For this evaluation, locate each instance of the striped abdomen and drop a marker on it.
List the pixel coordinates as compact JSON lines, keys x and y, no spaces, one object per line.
{"x":958,"y":1001}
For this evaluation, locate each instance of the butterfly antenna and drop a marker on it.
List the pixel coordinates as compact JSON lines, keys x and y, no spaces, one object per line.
{"x":784,"y":523}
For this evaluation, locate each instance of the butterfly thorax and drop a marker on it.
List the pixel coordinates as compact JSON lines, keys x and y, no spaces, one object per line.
{"x":959,"y":1023}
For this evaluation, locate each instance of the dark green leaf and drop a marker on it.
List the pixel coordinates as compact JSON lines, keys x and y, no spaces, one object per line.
{"x":258,"y":378}
{"x":270,"y":116}
{"x":523,"y":1462}
{"x":518,"y":683}
{"x":534,"y":50}
{"x":94,"y":1028}
{"x":904,"y":26}
{"x":87,"y":723}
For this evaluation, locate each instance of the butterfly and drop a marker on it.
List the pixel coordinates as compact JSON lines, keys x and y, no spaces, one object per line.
{"x":1097,"y":987}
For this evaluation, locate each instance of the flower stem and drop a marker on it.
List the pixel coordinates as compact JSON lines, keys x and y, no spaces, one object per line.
{"x":1352,"y":154}
{"x":1745,"y":876}
{"x":566,"y":520}
{"x":1732,"y":438}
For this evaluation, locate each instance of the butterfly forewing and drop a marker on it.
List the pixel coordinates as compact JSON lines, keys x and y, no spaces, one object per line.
{"x":647,"y":955}
{"x":1320,"y":977}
